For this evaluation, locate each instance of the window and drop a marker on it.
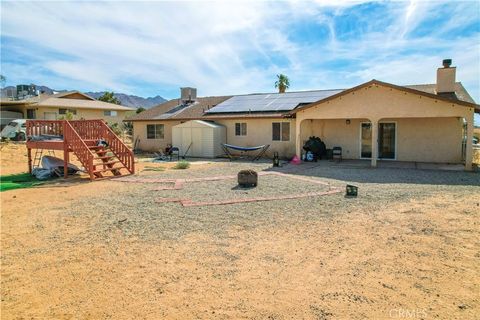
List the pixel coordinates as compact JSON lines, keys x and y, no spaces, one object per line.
{"x":64,"y":111}
{"x":110,"y":113}
{"x":240,"y":129}
{"x":281,"y":131}
{"x":155,"y":131}
{"x":31,"y":114}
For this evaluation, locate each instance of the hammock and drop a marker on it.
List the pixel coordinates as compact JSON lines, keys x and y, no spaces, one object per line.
{"x":262,"y":149}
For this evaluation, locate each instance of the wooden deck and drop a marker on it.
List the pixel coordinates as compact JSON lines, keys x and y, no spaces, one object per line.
{"x":81,"y":138}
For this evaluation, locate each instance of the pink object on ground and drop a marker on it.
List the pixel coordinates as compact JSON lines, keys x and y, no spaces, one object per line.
{"x":295,"y":160}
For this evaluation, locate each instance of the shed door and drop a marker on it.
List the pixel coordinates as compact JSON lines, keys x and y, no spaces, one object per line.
{"x":197,"y":138}
{"x":186,"y":140}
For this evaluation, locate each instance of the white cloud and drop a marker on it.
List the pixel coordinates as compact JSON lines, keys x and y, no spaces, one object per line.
{"x":125,"y":46}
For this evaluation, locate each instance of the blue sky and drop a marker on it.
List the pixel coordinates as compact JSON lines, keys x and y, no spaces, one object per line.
{"x":153,"y":48}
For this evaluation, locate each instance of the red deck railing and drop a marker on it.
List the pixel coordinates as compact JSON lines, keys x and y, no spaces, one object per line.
{"x":78,"y":146}
{"x":98,"y":129}
{"x":78,"y":136}
{"x":44,"y":127}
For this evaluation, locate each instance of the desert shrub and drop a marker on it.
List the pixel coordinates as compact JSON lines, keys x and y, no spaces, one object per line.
{"x":182,"y":165}
{"x":68,"y":116}
{"x":116,"y":128}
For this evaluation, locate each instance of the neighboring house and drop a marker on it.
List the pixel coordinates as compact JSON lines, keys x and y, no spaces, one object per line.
{"x":55,"y":106}
{"x":375,"y":120}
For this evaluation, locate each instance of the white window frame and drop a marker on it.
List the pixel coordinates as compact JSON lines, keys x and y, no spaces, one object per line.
{"x":110,"y":113}
{"x":246,"y":129}
{"x":155,"y":131}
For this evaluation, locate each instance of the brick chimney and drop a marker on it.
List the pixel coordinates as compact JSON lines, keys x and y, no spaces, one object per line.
{"x":446,"y":77}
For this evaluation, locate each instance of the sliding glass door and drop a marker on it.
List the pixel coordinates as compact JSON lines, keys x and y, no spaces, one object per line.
{"x":366,"y":140}
{"x":387,"y":140}
{"x":387,"y":135}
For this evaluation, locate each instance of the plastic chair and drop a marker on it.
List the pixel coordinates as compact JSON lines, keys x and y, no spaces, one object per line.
{"x":337,"y":153}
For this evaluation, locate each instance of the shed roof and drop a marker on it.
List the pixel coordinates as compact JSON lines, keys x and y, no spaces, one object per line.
{"x":201,"y":123}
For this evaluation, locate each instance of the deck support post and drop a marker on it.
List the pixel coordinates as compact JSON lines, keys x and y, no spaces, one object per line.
{"x":66,"y":157}
{"x":29,"y":153}
{"x":65,"y":152}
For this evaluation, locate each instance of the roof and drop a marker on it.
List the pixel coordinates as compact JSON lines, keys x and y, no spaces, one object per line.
{"x":64,"y":100}
{"x":81,"y":104}
{"x":460,"y":92}
{"x":259,"y":105}
{"x":271,"y":102}
{"x":200,"y":123}
{"x":175,"y":110}
{"x":415,"y":89}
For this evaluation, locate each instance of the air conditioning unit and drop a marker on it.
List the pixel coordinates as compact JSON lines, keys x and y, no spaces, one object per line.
{"x":188,"y":94}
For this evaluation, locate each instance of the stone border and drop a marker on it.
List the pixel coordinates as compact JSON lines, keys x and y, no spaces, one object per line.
{"x":179,"y":183}
{"x":190,"y":203}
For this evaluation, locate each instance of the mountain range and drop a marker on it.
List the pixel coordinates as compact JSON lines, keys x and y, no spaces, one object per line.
{"x":125,"y":99}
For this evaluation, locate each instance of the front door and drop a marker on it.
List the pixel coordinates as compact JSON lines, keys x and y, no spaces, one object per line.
{"x":387,"y":140}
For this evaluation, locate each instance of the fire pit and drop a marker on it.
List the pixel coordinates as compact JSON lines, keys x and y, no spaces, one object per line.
{"x":247,"y":178}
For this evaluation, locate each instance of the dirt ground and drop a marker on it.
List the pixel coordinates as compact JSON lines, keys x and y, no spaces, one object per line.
{"x":406,"y":248}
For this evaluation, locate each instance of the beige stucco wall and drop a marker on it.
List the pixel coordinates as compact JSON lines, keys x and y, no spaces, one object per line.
{"x":429,"y":130}
{"x":418,"y":139}
{"x":87,"y":114}
{"x":144,"y":144}
{"x":259,"y":132}
{"x":335,"y":133}
{"x":430,"y":140}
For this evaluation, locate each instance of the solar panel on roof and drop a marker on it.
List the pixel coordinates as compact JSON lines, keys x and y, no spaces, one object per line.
{"x":270,"y":102}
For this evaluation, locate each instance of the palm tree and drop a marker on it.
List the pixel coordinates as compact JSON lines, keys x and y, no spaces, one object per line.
{"x":3,"y":79}
{"x":282,"y":83}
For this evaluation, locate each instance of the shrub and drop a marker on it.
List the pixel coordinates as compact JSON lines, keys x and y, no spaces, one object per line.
{"x":182,"y":165}
{"x":116,"y":128}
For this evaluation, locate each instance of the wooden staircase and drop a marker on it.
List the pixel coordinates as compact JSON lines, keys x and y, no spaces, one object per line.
{"x":81,"y":137}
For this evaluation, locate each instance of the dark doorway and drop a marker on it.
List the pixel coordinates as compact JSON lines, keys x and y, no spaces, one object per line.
{"x":387,"y":140}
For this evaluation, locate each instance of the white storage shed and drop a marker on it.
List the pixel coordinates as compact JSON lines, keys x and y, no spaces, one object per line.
{"x":202,"y":139}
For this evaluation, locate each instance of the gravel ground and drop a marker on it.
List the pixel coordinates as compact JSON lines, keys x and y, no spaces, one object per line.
{"x":407,"y":244}
{"x":141,"y":216}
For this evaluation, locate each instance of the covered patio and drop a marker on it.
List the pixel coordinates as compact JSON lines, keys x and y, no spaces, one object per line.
{"x":382,"y":122}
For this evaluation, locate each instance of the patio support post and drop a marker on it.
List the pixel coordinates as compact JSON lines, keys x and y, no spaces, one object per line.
{"x":298,"y":139}
{"x":469,"y":145}
{"x":374,"y":142}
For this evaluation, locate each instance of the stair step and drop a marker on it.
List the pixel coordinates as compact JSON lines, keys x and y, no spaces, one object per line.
{"x":112,"y":177}
{"x":108,"y":169}
{"x":103,"y":157}
{"x":98,"y":148}
{"x":106,"y":163}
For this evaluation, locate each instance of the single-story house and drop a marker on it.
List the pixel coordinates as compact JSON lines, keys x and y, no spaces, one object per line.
{"x":55,"y":106}
{"x":374,"y":120}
